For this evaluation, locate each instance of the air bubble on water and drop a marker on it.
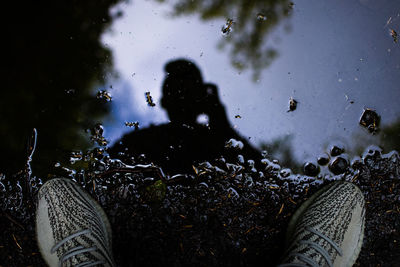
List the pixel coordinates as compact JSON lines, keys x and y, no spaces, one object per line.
{"x":219,"y":170}
{"x":221,"y":160}
{"x":232,"y":193}
{"x":239,"y":177}
{"x":203,"y":184}
{"x":248,"y":181}
{"x":372,"y":150}
{"x":2,"y":187}
{"x":264,"y":153}
{"x":99,"y":166}
{"x":233,"y":167}
{"x":75,"y":156}
{"x":205,"y":165}
{"x":270,"y":166}
{"x":116,"y":164}
{"x":392,"y":155}
{"x":286,"y":172}
{"x":233,"y":143}
{"x":251,"y":163}
{"x":71,"y":172}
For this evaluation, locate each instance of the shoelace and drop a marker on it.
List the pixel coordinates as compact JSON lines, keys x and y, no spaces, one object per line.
{"x":76,"y":250}
{"x":316,"y":247}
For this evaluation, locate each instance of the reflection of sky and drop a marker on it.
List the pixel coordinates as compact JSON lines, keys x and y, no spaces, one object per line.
{"x":336,"y":50}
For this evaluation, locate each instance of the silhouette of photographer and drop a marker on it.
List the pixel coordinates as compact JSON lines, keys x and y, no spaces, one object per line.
{"x":177,"y":145}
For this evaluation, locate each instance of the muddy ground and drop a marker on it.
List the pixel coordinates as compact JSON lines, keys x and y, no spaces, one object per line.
{"x":219,"y":215}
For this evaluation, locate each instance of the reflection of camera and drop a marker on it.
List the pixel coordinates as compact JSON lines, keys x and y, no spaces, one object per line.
{"x":208,"y":102}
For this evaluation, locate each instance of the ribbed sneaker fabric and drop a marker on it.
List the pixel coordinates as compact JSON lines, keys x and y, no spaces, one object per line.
{"x":328,"y":229}
{"x":71,"y":228}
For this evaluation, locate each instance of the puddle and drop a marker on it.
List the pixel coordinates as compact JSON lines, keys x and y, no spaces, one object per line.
{"x":201,"y":127}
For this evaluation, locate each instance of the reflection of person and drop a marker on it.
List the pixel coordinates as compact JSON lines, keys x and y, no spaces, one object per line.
{"x":72,"y":228}
{"x":178,"y":144}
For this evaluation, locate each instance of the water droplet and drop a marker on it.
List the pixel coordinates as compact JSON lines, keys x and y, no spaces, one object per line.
{"x":233,"y":143}
{"x":75,"y":156}
{"x":284,"y":173}
{"x":240,"y":159}
{"x":232,"y":193}
{"x":261,"y":17}
{"x":97,"y":135}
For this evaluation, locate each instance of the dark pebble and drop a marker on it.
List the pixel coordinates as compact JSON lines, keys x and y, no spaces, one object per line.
{"x":338,"y":165}
{"x":311,"y":169}
{"x":323,"y":160}
{"x":370,"y":120}
{"x":336,"y":150}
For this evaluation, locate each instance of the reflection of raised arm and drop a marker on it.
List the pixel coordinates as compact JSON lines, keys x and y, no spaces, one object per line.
{"x":212,"y":106}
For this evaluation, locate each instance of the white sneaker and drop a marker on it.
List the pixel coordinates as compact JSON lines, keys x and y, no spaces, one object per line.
{"x":71,"y":228}
{"x":328,"y":229}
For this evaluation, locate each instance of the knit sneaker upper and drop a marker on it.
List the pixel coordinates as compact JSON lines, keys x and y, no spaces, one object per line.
{"x":327,"y":230}
{"x":71,"y":228}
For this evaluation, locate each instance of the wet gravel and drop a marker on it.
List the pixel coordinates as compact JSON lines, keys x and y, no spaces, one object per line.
{"x":222,"y":214}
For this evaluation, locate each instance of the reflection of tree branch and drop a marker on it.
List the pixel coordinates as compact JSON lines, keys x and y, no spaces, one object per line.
{"x":387,"y":139}
{"x":390,"y":137}
{"x":281,"y":148}
{"x":54,"y":59}
{"x":249,"y":33}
